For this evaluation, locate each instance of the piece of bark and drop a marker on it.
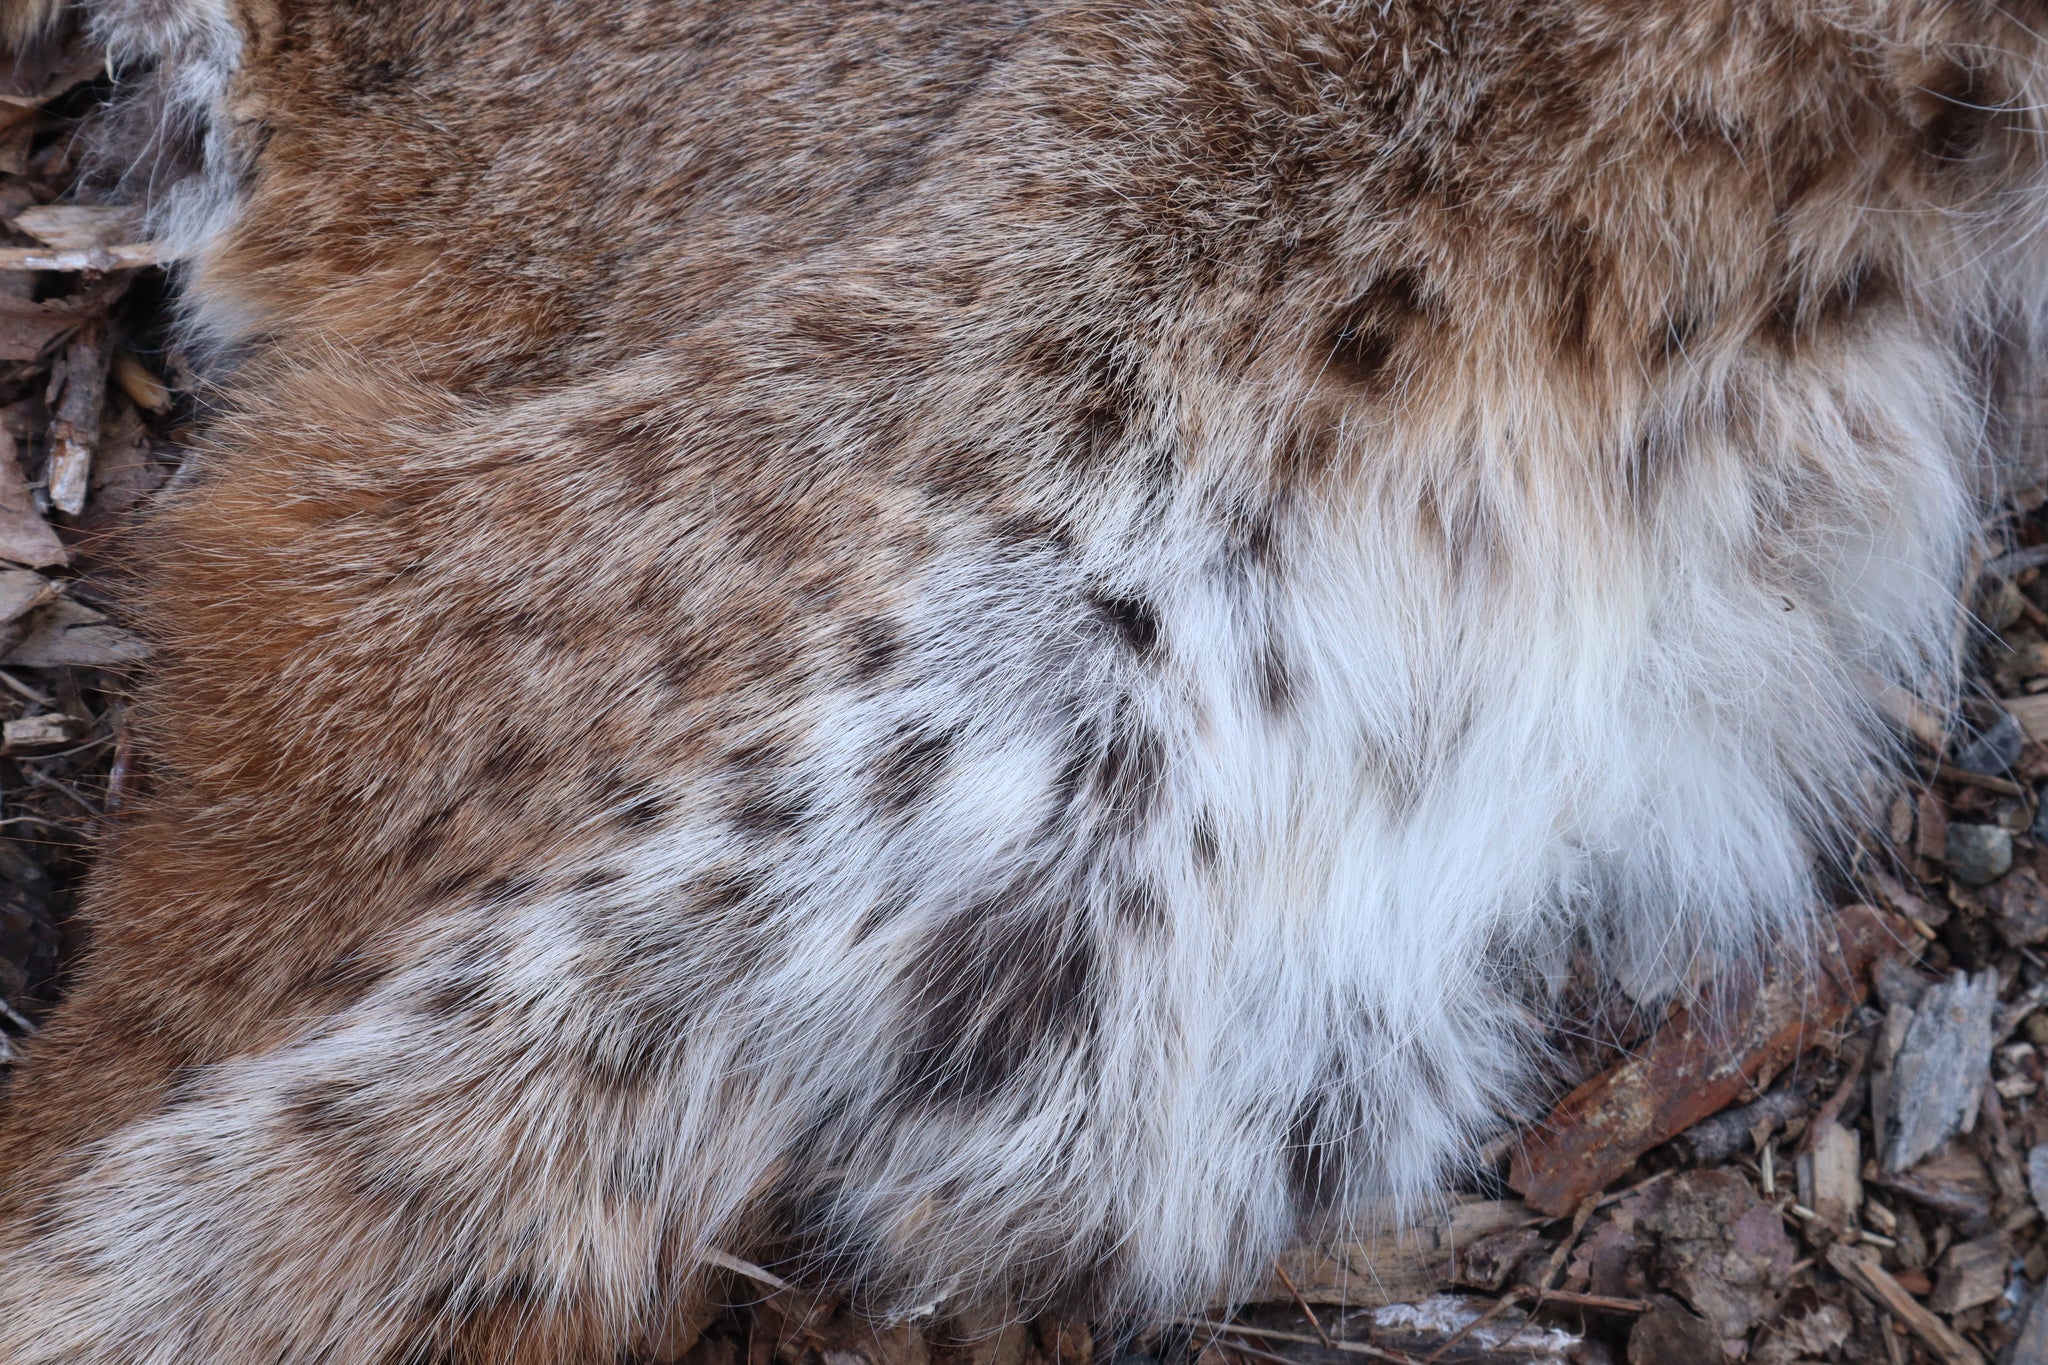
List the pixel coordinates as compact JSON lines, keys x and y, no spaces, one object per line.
{"x":78,"y":392}
{"x":1696,"y":1066}
{"x":68,"y":633}
{"x":1397,"y":1268}
{"x":1858,"y":1266}
{"x":1941,"y":1068}
{"x":28,"y":328}
{"x":2019,"y":907}
{"x":1971,"y":1273}
{"x":2032,"y":1346}
{"x":25,"y":538}
{"x":1930,"y":829}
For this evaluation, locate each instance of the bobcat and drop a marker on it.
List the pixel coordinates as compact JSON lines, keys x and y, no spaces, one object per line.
{"x":984,"y":651}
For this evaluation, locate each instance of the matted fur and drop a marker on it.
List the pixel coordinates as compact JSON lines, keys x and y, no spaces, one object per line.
{"x":984,"y":651}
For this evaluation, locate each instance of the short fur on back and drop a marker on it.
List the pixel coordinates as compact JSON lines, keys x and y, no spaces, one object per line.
{"x":981,"y":650}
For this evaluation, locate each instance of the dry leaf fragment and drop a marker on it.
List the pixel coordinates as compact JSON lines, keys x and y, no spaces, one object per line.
{"x":77,"y":226}
{"x":25,"y":538}
{"x":71,"y":633}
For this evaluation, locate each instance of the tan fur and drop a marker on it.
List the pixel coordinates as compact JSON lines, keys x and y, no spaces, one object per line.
{"x":23,"y":21}
{"x":775,"y":650}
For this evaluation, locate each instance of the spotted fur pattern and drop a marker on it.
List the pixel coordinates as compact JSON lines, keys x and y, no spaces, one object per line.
{"x":982,"y":650}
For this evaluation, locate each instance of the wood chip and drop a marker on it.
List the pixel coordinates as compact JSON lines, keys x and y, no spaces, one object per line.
{"x":1830,"y":1176}
{"x":1941,"y":1068}
{"x":78,"y":392}
{"x":32,"y":732}
{"x":1860,"y":1267}
{"x":1971,"y":1273}
{"x":1694,"y":1067}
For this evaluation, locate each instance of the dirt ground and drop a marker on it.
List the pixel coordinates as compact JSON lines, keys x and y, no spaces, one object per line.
{"x":1844,"y":1162}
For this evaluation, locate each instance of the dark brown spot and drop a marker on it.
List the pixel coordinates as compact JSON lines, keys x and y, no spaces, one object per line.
{"x":1315,"y":1165}
{"x":772,"y":813}
{"x":321,"y":1108}
{"x":1960,"y":108}
{"x":1676,"y":338}
{"x":1128,"y":776}
{"x":341,"y":981}
{"x":1802,"y":314}
{"x":910,"y":768}
{"x":509,"y":887}
{"x":875,"y":646}
{"x":426,"y":838}
{"x":443,"y":889}
{"x":725,"y":892}
{"x":1005,"y":982}
{"x":1275,"y":681}
{"x":597,"y":879}
{"x":1140,"y":907}
{"x":1203,"y":842}
{"x":1133,"y":618}
{"x":508,"y":759}
{"x":644,"y":811}
{"x":1361,"y":340}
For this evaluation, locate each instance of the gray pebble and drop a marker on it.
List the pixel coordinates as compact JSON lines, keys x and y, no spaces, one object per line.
{"x":1996,"y":749}
{"x":1978,"y":854}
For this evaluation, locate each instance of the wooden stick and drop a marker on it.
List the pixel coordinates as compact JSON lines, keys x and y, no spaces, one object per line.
{"x":131,"y":256}
{"x":1862,"y":1270}
{"x":1357,"y":1348}
{"x":1301,"y":1303}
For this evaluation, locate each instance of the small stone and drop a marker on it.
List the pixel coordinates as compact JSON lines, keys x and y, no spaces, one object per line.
{"x":2019,"y":906}
{"x":2036,"y":1029}
{"x":2037,"y":1176}
{"x":1978,"y":854}
{"x":1994,"y":750}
